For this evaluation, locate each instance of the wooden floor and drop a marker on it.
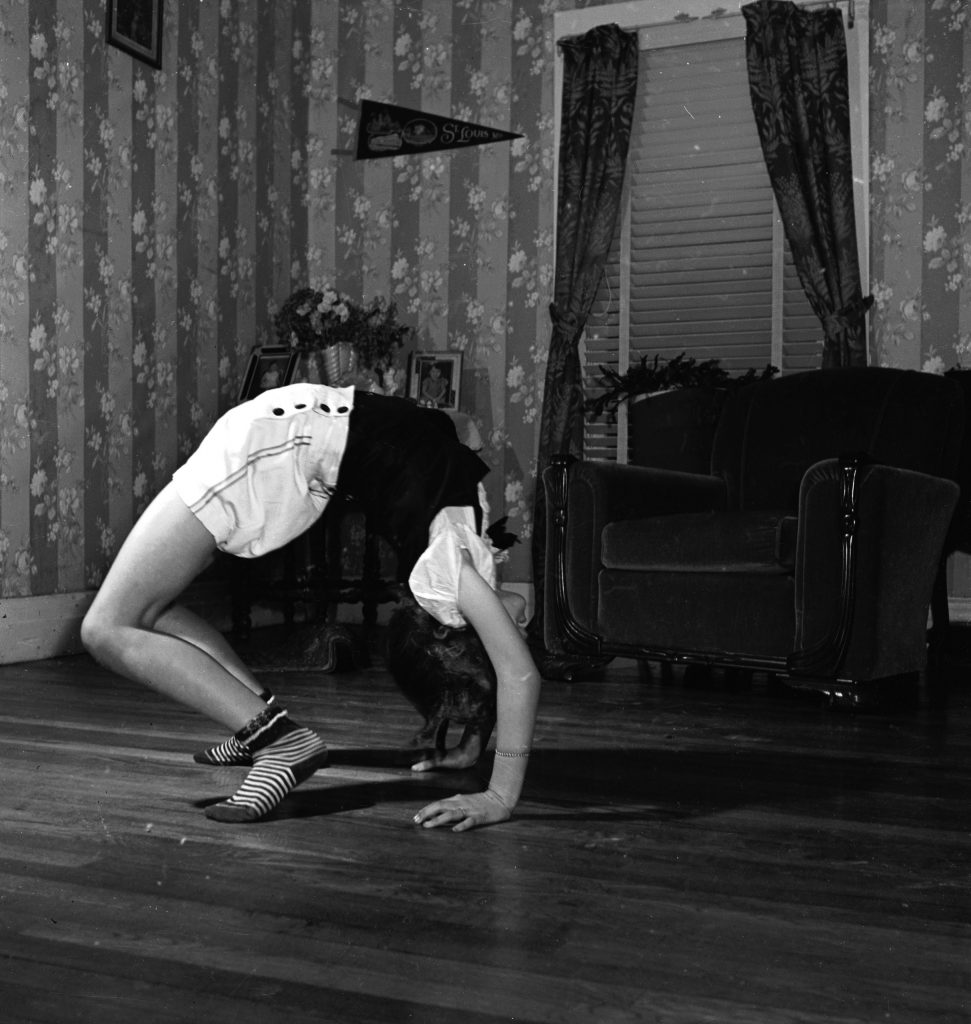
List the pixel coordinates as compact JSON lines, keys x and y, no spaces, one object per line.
{"x":684,"y":853}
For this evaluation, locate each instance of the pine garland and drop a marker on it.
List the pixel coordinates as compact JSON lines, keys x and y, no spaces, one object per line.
{"x":651,"y":376}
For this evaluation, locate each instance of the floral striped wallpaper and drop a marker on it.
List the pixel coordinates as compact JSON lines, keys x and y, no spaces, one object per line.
{"x":920,"y":188}
{"x":151,"y":222}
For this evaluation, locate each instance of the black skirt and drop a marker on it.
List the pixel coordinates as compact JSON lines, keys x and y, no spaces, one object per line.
{"x":403,"y":464}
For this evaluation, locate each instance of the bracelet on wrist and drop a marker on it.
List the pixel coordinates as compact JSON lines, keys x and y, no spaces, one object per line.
{"x":513,"y":753}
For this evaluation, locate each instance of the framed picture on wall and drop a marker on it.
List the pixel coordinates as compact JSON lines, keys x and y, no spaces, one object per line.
{"x":435,"y":379}
{"x":270,"y":366}
{"x":135,"y":26}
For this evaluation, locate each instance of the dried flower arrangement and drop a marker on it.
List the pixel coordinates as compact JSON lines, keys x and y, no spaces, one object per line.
{"x":312,"y":320}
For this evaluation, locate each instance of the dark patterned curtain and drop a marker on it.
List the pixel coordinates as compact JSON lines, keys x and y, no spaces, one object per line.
{"x":599,"y":87}
{"x":800,"y":98}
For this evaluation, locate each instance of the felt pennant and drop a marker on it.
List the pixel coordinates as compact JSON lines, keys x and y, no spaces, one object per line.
{"x":388,"y":130}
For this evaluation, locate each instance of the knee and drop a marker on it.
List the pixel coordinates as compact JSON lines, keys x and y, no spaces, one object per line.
{"x":100,"y":638}
{"x":111,"y":632}
{"x":92,"y":634}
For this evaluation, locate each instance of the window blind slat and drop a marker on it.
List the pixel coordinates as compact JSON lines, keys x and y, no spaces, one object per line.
{"x":700,"y":212}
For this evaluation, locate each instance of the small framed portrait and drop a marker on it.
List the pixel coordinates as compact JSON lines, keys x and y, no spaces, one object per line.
{"x":435,"y":379}
{"x":270,"y":366}
{"x":135,"y":26}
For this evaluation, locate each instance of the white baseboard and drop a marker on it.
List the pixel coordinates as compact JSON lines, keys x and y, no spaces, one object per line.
{"x":32,"y":628}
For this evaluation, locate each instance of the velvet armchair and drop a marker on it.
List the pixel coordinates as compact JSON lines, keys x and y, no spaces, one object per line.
{"x":809,"y":549}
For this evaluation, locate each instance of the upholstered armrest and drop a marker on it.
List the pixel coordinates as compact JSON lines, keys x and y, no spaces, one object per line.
{"x":581,"y":499}
{"x":868,"y":547}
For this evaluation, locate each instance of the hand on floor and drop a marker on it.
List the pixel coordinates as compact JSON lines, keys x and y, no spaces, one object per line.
{"x":464,"y":811}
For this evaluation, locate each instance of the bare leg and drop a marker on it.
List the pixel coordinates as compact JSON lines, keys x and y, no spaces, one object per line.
{"x":178,"y":621}
{"x":166,"y":549}
{"x":474,"y":739}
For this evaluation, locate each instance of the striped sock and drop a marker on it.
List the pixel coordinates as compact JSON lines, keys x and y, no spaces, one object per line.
{"x":232,"y":753}
{"x":284,"y":755}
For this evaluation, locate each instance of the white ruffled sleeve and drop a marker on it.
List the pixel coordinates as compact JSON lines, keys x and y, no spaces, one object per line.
{"x":434,"y":580}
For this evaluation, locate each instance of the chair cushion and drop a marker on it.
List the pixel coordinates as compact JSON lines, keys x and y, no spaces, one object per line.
{"x":712,"y":613}
{"x":735,"y":542}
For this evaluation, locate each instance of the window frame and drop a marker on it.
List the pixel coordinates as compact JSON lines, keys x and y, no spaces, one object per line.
{"x":662,"y":22}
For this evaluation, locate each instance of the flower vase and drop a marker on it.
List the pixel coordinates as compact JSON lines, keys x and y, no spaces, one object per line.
{"x":337,"y":364}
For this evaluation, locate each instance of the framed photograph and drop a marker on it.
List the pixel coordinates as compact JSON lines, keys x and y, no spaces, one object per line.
{"x":435,"y":379}
{"x":135,"y":26}
{"x":271,"y":366}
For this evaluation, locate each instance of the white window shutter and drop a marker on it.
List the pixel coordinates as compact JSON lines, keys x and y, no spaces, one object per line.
{"x":704,"y":261}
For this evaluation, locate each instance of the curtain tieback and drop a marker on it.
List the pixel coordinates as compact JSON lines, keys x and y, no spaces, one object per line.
{"x":569,"y":325}
{"x":566,"y":322}
{"x":849,"y":316}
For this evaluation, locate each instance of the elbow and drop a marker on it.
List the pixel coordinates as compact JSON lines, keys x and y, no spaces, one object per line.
{"x":526,"y":681}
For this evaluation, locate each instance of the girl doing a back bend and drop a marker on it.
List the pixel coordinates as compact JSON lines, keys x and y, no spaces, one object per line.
{"x":261,"y":477}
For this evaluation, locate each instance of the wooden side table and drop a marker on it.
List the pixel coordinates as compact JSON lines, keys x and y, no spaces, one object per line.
{"x":339,"y":560}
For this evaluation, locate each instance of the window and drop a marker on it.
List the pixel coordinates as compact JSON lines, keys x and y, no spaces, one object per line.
{"x":699,"y":262}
